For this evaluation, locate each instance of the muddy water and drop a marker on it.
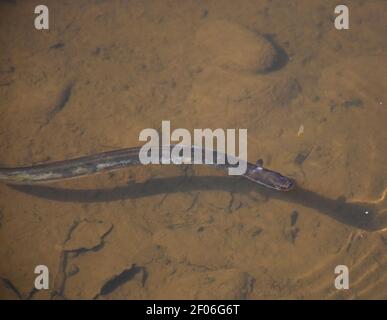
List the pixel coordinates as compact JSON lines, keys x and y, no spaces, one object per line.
{"x":312,"y":98}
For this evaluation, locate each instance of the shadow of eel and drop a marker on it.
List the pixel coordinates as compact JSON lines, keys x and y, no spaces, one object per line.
{"x":359,"y":215}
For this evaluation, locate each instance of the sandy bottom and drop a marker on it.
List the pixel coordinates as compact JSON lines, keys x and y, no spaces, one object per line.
{"x":108,"y":69}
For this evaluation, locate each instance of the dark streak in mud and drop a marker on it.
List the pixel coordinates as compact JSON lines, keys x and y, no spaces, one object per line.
{"x":57,"y":45}
{"x":60,"y":281}
{"x":8,"y":284}
{"x":354,"y":103}
{"x":31,"y":294}
{"x":62,"y":101}
{"x":302,"y":156}
{"x":6,"y":84}
{"x":194,"y":201}
{"x":97,"y":247}
{"x":282,"y":57}
{"x":293,"y":217}
{"x":123,"y":277}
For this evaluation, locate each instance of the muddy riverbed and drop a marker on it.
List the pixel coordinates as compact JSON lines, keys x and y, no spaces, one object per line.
{"x":313,"y":99}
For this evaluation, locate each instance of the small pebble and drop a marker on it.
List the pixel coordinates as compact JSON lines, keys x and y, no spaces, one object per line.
{"x":300,"y":130}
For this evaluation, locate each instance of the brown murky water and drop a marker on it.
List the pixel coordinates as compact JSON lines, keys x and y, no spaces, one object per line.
{"x":312,"y":98}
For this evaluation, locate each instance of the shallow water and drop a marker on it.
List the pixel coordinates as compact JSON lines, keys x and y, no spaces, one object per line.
{"x":108,"y":69}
